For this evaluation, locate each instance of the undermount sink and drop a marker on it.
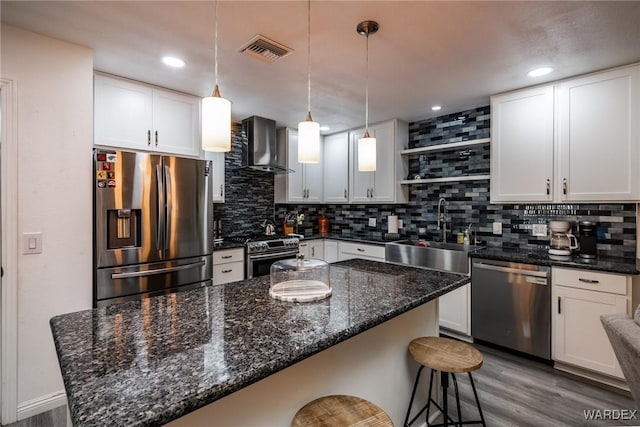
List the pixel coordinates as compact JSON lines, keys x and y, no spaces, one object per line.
{"x":452,"y":257}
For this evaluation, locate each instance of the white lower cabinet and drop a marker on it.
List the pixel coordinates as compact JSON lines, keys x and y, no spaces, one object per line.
{"x":228,"y":265}
{"x":579,"y":298}
{"x":455,"y":310}
{"x":350,"y":250}
{"x":330,"y":251}
{"x":312,"y":249}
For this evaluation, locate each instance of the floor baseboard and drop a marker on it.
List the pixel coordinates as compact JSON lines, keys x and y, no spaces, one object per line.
{"x":41,"y":404}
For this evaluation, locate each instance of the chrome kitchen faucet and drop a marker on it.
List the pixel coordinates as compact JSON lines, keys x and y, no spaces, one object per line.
{"x":442,"y":218}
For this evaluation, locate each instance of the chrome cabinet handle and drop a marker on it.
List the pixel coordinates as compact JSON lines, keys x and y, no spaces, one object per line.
{"x":227,"y":271}
{"x":548,"y":187}
{"x":149,"y":137}
{"x":226,"y":256}
{"x":360,"y":249}
{"x":559,"y":310}
{"x":313,"y":251}
{"x":220,"y":190}
{"x":156,"y":138}
{"x":345,"y":193}
{"x":588,"y":280}
{"x":564,"y":186}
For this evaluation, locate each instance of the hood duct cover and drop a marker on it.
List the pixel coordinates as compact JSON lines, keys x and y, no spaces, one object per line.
{"x":264,"y":152}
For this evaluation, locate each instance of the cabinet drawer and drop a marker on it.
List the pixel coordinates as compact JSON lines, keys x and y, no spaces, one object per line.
{"x":228,"y":255}
{"x":591,"y":280}
{"x":360,"y":249}
{"x":228,"y":272}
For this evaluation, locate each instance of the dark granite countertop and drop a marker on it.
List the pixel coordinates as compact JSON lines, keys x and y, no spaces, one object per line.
{"x":371,"y":238}
{"x":148,"y":362}
{"x":610,"y":265}
{"x":227,"y":245}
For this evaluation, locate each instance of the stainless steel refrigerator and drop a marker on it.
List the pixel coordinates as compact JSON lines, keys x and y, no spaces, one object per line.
{"x":153,"y":218}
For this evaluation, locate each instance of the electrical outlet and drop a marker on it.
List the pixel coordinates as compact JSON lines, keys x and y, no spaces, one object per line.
{"x":539,"y":230}
{"x":400,"y":223}
{"x":497,"y":228}
{"x":372,"y":222}
{"x":422,"y":230}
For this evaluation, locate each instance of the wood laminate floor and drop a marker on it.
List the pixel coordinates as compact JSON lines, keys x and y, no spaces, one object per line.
{"x":513,"y":391}
{"x":516,"y":391}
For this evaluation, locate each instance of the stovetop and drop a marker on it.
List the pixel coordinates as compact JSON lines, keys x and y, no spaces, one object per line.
{"x":262,"y":243}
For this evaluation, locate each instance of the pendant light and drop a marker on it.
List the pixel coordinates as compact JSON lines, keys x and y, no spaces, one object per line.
{"x":216,"y":111}
{"x":308,"y":130}
{"x":367,"y":144}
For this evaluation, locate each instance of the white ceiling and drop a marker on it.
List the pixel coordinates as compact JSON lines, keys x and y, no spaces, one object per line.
{"x":451,"y":53}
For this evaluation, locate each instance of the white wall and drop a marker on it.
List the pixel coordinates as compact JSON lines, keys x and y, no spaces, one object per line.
{"x":55,"y":133}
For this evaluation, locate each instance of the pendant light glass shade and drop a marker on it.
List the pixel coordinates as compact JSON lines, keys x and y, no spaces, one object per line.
{"x":216,"y":123}
{"x":367,"y":144}
{"x":308,"y":141}
{"x":216,"y":111}
{"x":308,"y":130}
{"x":366,"y":153}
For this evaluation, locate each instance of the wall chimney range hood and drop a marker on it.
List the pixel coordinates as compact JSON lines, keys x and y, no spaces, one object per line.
{"x":264,"y":152}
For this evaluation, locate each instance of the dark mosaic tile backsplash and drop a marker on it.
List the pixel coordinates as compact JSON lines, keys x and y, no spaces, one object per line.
{"x":249,"y":197}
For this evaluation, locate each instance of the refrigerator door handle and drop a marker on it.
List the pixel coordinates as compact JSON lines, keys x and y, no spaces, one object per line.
{"x":157,"y":271}
{"x":169,"y":196}
{"x":160,"y":213}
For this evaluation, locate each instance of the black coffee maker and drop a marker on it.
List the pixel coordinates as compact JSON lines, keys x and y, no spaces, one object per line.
{"x":588,"y":239}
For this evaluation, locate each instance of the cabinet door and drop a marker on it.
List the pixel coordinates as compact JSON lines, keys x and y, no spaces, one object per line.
{"x":522,"y":126}
{"x":330,"y":251}
{"x":360,"y":183}
{"x":295,"y":180}
{"x":599,"y":137}
{"x":316,"y":249}
{"x":217,"y":166}
{"x":384,"y":178}
{"x":454,"y":310}
{"x":313,"y":182}
{"x":578,"y":335}
{"x":336,"y":168}
{"x":122,"y":113}
{"x":175,"y":123}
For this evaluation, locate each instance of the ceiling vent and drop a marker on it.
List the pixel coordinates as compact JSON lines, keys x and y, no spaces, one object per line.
{"x":265,"y":49}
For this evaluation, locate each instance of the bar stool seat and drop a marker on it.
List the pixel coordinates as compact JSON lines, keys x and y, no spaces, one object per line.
{"x":341,"y":411}
{"x":447,"y":356}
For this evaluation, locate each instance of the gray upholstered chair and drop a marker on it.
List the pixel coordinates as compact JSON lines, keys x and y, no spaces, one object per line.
{"x":624,"y":334}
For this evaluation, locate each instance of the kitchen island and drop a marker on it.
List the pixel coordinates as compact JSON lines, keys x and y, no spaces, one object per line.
{"x":231,"y":355}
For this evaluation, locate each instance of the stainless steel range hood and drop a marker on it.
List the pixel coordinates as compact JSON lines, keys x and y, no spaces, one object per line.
{"x":264,"y":152}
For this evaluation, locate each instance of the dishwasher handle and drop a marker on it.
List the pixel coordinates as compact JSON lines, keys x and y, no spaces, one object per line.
{"x":534,"y":273}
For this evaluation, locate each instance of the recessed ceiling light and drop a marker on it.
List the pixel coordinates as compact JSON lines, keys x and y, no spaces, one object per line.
{"x":173,"y":61}
{"x":324,"y":128}
{"x":540,"y":72}
{"x":436,"y":108}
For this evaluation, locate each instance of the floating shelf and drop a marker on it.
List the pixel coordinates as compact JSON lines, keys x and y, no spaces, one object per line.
{"x":443,"y":147}
{"x":448,"y":179}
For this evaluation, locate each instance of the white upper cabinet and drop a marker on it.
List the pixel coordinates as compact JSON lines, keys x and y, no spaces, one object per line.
{"x":336,"y":168}
{"x":136,"y":116}
{"x":217,"y":165}
{"x":382,"y":185}
{"x":577,"y":140}
{"x":304,"y":184}
{"x":599,"y":136}
{"x":522,"y":145}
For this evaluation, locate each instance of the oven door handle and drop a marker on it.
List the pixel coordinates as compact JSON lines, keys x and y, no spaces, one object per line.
{"x":272,"y":255}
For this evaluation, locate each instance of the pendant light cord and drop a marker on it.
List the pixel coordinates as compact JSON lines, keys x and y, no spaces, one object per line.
{"x":366,"y":102}
{"x":215,"y":49}
{"x":309,"y":56}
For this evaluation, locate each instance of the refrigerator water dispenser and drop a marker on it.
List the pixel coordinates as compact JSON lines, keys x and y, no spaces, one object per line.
{"x":123,"y":228}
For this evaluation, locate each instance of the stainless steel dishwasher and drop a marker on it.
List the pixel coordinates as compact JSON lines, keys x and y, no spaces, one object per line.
{"x":511,"y":306}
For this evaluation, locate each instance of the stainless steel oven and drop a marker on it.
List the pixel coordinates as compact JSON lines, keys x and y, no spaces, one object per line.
{"x":262,"y":253}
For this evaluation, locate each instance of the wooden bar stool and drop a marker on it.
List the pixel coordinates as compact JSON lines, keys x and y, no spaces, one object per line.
{"x":340,"y":411}
{"x":449,"y":357}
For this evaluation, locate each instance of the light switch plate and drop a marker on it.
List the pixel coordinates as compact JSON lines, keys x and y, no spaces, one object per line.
{"x":400,"y":224}
{"x":372,"y":222}
{"x":539,"y":230}
{"x":31,"y":243}
{"x":497,"y":228}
